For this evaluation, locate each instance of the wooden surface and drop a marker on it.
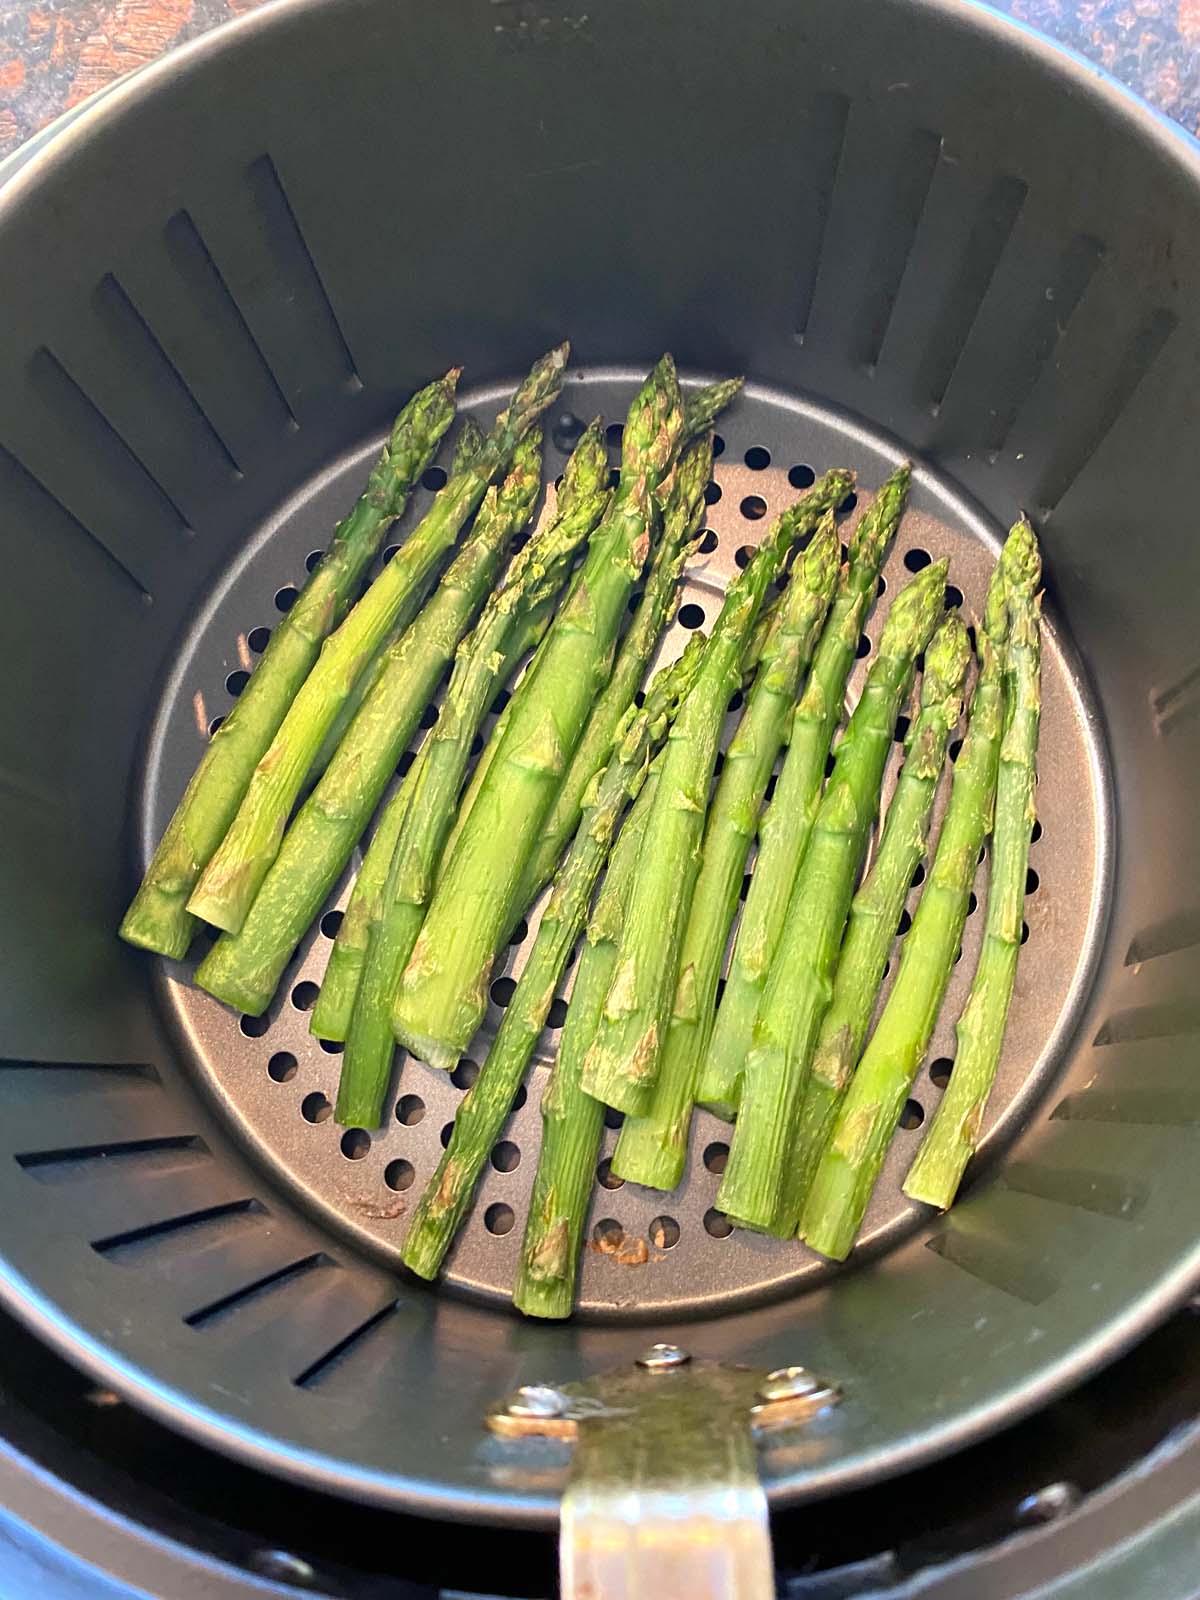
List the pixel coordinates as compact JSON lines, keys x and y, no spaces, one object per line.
{"x":54,"y":53}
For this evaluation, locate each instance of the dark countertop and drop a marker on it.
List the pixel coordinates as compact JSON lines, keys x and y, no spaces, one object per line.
{"x":54,"y":53}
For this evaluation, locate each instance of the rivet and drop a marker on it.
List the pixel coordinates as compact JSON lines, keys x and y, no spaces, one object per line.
{"x":788,"y":1383}
{"x":537,"y":1400}
{"x":283,"y":1567}
{"x":663,"y":1358}
{"x":1048,"y":1504}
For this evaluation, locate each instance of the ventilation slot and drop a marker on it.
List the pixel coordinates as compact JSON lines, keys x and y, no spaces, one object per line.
{"x":131,"y":1243}
{"x":1177,"y":702}
{"x":823,"y":150}
{"x":1150,"y":1022}
{"x":1180,"y":932}
{"x":1106,"y":1193}
{"x":324,"y":1365}
{"x":994,"y":1261}
{"x":140,"y":1159}
{"x":254,"y":1291}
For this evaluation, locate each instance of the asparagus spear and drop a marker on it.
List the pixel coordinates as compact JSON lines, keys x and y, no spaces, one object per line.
{"x":799,"y":984}
{"x":572,"y":1122}
{"x":870,"y":1109}
{"x":236,"y":871}
{"x":621,"y":1067}
{"x":466,"y":447}
{"x":875,"y":913}
{"x":935,"y":1175}
{"x":481,"y":1114}
{"x":786,"y":825}
{"x":444,"y":989}
{"x":704,"y":406}
{"x":534,"y":574}
{"x":331,"y":1015}
{"x":652,"y":1149}
{"x":158,"y":918}
{"x":683,"y":510}
{"x":244,"y":969}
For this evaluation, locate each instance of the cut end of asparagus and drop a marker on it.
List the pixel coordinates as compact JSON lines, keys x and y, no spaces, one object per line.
{"x":158,"y":922}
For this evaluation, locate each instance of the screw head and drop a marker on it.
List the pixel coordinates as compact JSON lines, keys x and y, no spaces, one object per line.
{"x":663,"y":1358}
{"x":537,"y":1400}
{"x":788,"y":1383}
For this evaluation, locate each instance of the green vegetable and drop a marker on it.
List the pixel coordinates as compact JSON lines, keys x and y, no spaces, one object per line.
{"x":158,"y":919}
{"x":652,"y":1149}
{"x":873,"y":1102}
{"x":876,"y":911}
{"x":482,"y":1113}
{"x":786,"y":826}
{"x":244,"y":969}
{"x":801,"y":977}
{"x":935,"y":1175}
{"x":444,"y":990}
{"x":621,"y":1068}
{"x":572,"y":1122}
{"x":235,"y":873}
{"x":684,"y":508}
{"x":535,"y":574}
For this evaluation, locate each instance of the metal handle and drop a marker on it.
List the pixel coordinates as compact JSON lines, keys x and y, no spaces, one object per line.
{"x":664,"y":1501}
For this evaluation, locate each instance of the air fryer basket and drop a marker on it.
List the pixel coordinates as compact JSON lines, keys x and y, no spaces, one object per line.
{"x":917,"y":230}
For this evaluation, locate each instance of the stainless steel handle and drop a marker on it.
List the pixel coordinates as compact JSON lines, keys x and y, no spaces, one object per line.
{"x":664,"y":1501}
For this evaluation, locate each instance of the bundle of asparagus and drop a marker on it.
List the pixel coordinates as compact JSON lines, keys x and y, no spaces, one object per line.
{"x":450,"y":870}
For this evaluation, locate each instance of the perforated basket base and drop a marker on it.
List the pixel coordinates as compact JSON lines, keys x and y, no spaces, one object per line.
{"x":649,"y":1254}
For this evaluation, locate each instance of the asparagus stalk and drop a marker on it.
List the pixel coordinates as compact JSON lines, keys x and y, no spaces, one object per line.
{"x":800,"y":981}
{"x":871,"y":1107}
{"x":621,"y":1067}
{"x":158,"y":918}
{"x":467,"y":446}
{"x":444,"y":989}
{"x":683,"y":511}
{"x":572,"y":1122}
{"x":652,"y":1149}
{"x":703,"y":407}
{"x":235,"y":873}
{"x":331,"y":1015}
{"x":786,"y":825}
{"x":875,"y":912}
{"x":534,"y":574}
{"x":936,"y":1173}
{"x":244,"y":969}
{"x":485,"y":1107}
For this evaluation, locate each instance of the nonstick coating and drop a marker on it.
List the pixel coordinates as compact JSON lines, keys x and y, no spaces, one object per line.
{"x":945,"y":237}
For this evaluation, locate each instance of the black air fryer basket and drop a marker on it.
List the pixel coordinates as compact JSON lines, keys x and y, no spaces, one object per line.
{"x":919,"y":231}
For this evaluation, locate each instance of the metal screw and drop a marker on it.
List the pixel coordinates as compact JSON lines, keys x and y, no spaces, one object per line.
{"x":663,"y":1358}
{"x":1048,"y":1504}
{"x":789,"y":1383}
{"x":537,"y":1400}
{"x":282,"y":1567}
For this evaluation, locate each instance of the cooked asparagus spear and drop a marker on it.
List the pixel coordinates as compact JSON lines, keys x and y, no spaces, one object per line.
{"x":871,"y":1106}
{"x":572,"y":1122}
{"x":536,"y":572}
{"x":330,"y":1018}
{"x":681,"y":517}
{"x":787,"y":823}
{"x":466,"y":447}
{"x":482,"y":1112}
{"x":236,"y":871}
{"x":444,"y":989}
{"x":799,"y":984}
{"x":935,"y":1175}
{"x":158,"y":918}
{"x":877,"y":907}
{"x":652,"y":1149}
{"x":244,"y":969}
{"x":702,"y":408}
{"x":621,"y":1067}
